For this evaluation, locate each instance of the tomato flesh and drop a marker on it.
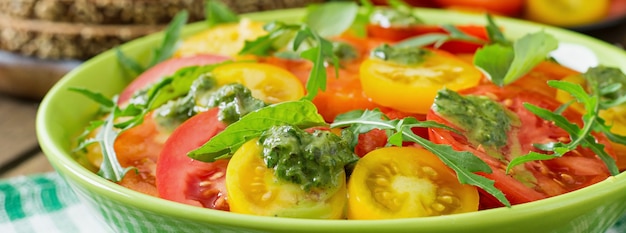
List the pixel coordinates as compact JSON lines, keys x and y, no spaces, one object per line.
{"x":537,"y":179}
{"x":254,"y":189}
{"x":163,"y":69}
{"x":404,"y":182}
{"x":413,"y":88}
{"x":185,"y":180}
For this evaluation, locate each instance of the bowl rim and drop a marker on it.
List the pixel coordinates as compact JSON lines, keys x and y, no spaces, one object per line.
{"x":70,"y":169}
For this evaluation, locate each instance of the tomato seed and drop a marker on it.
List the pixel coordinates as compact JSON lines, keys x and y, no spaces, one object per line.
{"x":216,"y":176}
{"x":430,"y":172}
{"x":205,"y":183}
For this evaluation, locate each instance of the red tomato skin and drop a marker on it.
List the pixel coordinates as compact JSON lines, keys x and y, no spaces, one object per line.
{"x":165,"y":68}
{"x":185,"y":180}
{"x":400,"y":33}
{"x":416,"y":3}
{"x":574,"y":164}
{"x":500,"y":7}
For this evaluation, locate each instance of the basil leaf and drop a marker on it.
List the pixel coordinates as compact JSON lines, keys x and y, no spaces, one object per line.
{"x":504,"y":64}
{"x":302,"y":114}
{"x":331,"y":18}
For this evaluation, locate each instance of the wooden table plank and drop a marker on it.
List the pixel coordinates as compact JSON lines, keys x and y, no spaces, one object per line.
{"x":36,"y":164}
{"x":17,"y":128}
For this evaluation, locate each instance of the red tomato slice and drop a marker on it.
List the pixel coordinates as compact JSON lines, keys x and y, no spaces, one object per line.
{"x":185,"y":180}
{"x":165,"y":68}
{"x":507,"y":8}
{"x":401,"y":33}
{"x":575,"y":170}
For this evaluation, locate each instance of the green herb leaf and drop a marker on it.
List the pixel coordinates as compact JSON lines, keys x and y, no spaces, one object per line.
{"x":579,"y":137}
{"x":465,"y":164}
{"x":362,"y":19}
{"x":438,"y":39}
{"x":302,"y":114}
{"x":516,"y":60}
{"x":331,"y":18}
{"x":128,"y":64}
{"x":217,"y":12}
{"x":320,"y":50}
{"x":165,"y":51}
{"x":494,"y":33}
{"x":110,"y":168}
{"x":96,"y":97}
{"x":172,"y":35}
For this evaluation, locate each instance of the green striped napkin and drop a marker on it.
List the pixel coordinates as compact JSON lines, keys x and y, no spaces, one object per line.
{"x":44,"y":203}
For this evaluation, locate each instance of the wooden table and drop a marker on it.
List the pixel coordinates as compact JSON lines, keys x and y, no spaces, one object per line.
{"x":20,"y":153}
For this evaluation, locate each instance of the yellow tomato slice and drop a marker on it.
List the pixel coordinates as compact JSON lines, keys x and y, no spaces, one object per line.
{"x":226,"y":39}
{"x":413,"y":88}
{"x":567,"y":12}
{"x":253,"y":189}
{"x":269,"y":83}
{"x":405,"y":182}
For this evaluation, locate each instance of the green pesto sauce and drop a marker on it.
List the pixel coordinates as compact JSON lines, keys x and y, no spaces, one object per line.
{"x":484,"y":121}
{"x":233,"y":100}
{"x":345,"y":51}
{"x":605,"y":77}
{"x":311,"y":160}
{"x":400,"y":55}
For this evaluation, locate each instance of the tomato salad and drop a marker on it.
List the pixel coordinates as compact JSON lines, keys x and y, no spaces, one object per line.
{"x":383,"y":117}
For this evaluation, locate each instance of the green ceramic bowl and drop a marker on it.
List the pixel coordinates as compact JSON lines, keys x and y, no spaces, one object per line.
{"x":63,"y":114}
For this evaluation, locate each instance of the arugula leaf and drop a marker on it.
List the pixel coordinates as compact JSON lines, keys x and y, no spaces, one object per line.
{"x":494,"y":33}
{"x":504,"y":64}
{"x":110,"y":168}
{"x":172,"y":35}
{"x":465,"y":164}
{"x":302,"y":114}
{"x":217,"y":12}
{"x":319,"y":51}
{"x":96,"y":97}
{"x":167,"y":89}
{"x":579,"y":137}
{"x":161,"y":53}
{"x":128,"y":63}
{"x":438,"y":39}
{"x":331,"y":18}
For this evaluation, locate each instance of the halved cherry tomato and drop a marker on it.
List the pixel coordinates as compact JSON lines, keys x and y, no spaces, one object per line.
{"x":224,"y":39}
{"x":254,"y":189}
{"x":163,"y":69}
{"x":412,"y":88}
{"x":185,"y":180}
{"x":405,"y":182}
{"x":507,"y":7}
{"x":269,"y":83}
{"x":532,"y":180}
{"x":567,"y":12}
